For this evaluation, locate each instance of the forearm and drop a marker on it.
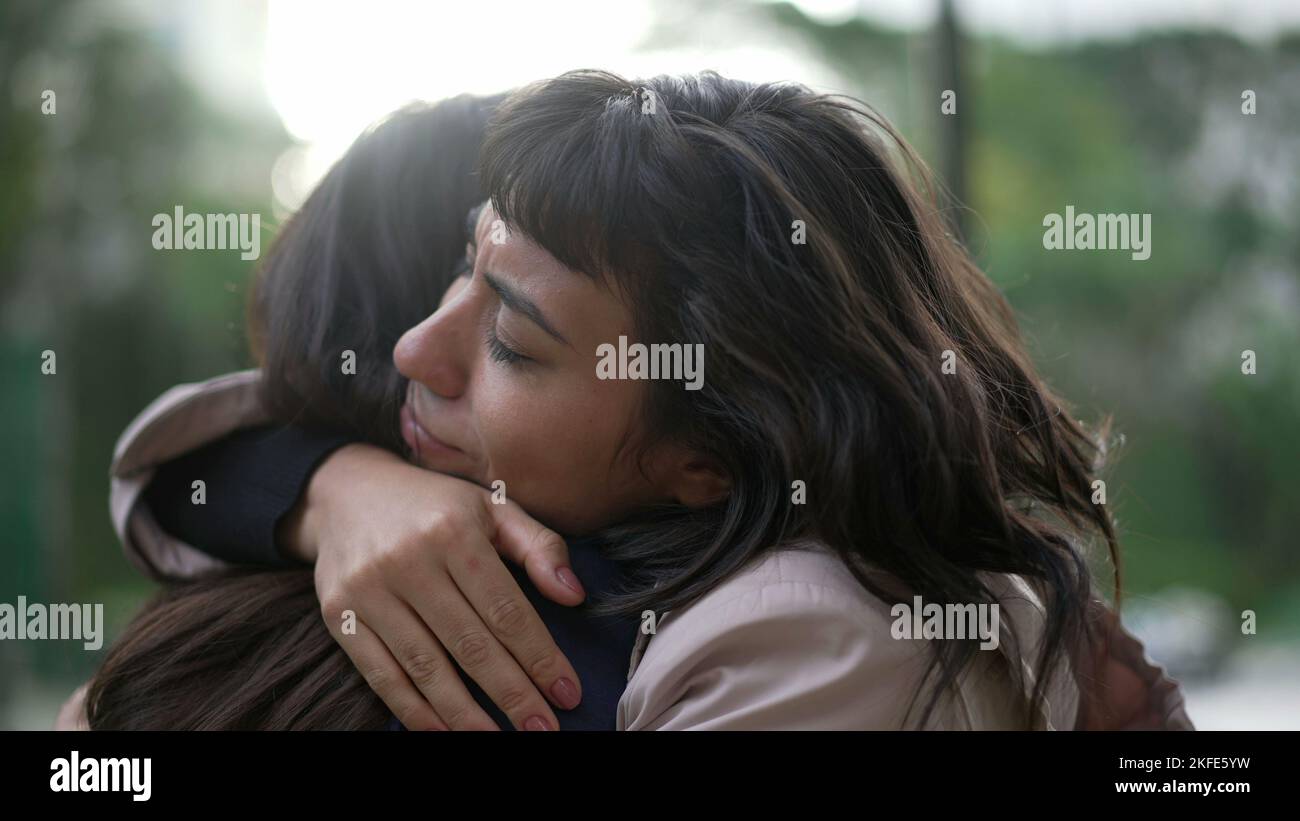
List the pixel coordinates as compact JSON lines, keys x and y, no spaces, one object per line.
{"x":253,"y":481}
{"x":298,"y":533}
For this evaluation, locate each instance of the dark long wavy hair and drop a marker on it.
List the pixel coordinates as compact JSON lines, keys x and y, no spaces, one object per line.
{"x":825,"y":356}
{"x":824,"y":366}
{"x":366,"y":258}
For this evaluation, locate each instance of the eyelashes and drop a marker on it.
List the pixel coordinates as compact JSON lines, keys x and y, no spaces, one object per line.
{"x":500,"y":352}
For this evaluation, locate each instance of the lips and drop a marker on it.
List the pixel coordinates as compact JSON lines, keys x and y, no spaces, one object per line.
{"x":429,"y":450}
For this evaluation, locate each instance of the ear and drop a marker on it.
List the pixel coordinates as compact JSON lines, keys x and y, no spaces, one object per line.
{"x":694,"y":480}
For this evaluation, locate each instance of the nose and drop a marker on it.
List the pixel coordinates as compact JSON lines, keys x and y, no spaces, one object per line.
{"x":437,"y":352}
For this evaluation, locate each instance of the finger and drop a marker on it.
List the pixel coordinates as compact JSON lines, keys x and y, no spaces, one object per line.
{"x":539,"y":550}
{"x":484,"y":657}
{"x":426,"y":665}
{"x":386,"y":677}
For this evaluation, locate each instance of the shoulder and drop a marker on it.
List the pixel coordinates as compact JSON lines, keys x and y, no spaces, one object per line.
{"x":72,"y":715}
{"x":792,"y":641}
{"x":182,"y":419}
{"x":803,"y":579}
{"x":187,"y":416}
{"x":795,"y":641}
{"x":804,"y":575}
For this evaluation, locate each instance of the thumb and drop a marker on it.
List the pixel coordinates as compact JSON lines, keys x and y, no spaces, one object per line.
{"x":540,"y":550}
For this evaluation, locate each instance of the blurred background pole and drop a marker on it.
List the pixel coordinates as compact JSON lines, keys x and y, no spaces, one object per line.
{"x":952,"y":131}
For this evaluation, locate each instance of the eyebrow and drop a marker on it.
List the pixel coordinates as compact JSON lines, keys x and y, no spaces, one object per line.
{"x":517,"y":302}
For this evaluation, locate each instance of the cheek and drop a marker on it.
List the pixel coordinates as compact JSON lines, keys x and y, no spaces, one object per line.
{"x":561,"y":451}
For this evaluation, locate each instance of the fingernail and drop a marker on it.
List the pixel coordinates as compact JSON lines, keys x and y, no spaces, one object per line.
{"x":536,"y":723}
{"x":565,"y":693}
{"x":566,"y":577}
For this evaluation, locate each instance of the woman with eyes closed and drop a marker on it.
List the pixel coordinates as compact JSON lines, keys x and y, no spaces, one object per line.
{"x":233,"y":645}
{"x":768,"y":524}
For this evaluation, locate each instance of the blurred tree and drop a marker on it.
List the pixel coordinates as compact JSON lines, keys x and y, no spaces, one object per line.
{"x":129,"y":138}
{"x":952,"y":127}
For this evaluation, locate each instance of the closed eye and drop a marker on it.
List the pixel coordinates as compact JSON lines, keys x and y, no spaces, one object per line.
{"x":501,"y":352}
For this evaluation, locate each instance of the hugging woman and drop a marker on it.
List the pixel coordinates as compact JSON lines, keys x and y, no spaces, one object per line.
{"x":748,"y":541}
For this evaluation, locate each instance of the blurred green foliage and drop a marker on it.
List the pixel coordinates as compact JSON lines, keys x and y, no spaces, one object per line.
{"x":129,"y":138}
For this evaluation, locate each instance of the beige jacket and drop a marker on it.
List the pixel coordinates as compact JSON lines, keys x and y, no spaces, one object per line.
{"x":791,"y":642}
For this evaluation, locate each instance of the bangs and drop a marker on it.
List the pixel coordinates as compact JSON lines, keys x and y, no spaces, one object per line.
{"x":578,"y":164}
